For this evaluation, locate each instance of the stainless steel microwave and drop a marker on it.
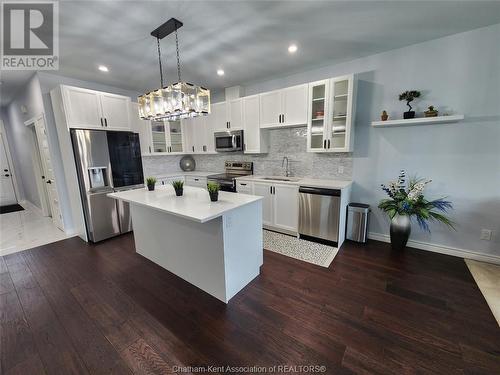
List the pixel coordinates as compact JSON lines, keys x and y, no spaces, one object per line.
{"x":231,"y":140}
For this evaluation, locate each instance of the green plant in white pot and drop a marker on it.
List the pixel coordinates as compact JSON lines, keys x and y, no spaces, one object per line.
{"x":406,"y":200}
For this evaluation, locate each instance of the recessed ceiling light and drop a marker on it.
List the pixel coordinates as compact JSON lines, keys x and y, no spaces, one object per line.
{"x":292,"y":48}
{"x":220,"y":72}
{"x":103,"y":68}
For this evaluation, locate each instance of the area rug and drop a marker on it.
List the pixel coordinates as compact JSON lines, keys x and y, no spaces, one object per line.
{"x":10,"y":208}
{"x":311,"y":252}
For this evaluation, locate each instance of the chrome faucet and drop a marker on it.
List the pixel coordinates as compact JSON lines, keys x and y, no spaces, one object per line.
{"x":287,"y":170}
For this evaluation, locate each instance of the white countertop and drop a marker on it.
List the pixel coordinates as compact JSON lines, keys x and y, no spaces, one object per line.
{"x":301,"y":181}
{"x":182,"y":173}
{"x":194,"y":205}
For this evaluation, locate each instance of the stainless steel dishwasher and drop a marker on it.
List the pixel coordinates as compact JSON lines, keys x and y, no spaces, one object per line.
{"x":319,"y":213}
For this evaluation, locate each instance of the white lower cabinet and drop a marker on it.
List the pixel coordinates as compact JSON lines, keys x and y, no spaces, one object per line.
{"x":286,"y":207}
{"x":244,"y":187}
{"x":196,"y":181}
{"x":280,"y":207}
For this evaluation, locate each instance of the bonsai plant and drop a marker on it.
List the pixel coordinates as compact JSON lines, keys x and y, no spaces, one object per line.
{"x":151,"y":181}
{"x":431,"y":112}
{"x":178,"y":187}
{"x":213,"y":189}
{"x":407,"y":200}
{"x":409,"y":96}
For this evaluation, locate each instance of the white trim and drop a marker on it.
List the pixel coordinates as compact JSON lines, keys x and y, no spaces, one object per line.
{"x":442,"y":249}
{"x":28,"y":206}
{"x":10,"y":161}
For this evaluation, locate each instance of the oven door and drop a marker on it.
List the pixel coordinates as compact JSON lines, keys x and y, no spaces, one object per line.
{"x":225,"y":185}
{"x":229,"y":141}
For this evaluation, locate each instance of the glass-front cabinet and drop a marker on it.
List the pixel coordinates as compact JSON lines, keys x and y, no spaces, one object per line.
{"x":331,"y":115}
{"x":166,"y":137}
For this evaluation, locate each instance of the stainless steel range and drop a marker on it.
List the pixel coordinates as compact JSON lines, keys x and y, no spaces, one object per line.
{"x":227,"y":180}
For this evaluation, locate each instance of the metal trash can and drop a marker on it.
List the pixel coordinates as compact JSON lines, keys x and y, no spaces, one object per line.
{"x":357,"y":222}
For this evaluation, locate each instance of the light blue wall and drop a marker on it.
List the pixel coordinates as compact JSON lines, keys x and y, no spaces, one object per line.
{"x":457,"y":74}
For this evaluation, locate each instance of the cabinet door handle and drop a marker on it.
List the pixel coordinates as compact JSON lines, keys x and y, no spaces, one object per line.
{"x":49,"y":182}
{"x":102,"y":123}
{"x":270,"y":189}
{"x":6,"y":175}
{"x":324,"y":143}
{"x":149,"y":149}
{"x":328,"y":143}
{"x":197,"y":179}
{"x":242,"y":184}
{"x":5,"y":170}
{"x":105,"y":122}
{"x":193,"y":148}
{"x":229,"y":124}
{"x":283,"y":118}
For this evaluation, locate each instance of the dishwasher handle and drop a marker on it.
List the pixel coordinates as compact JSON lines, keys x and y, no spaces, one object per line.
{"x":319,"y":191}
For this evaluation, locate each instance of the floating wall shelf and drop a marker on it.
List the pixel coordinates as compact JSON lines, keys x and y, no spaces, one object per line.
{"x":418,"y":121}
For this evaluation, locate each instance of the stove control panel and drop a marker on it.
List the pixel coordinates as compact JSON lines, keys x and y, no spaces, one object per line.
{"x":239,"y":165}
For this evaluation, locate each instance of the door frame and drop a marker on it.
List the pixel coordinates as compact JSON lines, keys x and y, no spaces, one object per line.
{"x":37,"y":164}
{"x":13,"y":173}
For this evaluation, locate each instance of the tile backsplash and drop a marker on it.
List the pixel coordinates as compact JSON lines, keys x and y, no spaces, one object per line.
{"x":289,"y":142}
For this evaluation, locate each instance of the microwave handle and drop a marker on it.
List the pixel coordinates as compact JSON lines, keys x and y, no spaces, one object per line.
{"x":234,"y":141}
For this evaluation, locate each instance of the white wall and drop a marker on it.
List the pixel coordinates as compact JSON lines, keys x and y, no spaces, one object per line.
{"x":19,"y":136}
{"x":457,"y":74}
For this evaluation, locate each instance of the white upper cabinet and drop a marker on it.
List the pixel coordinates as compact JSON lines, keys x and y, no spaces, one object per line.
{"x":197,"y":135}
{"x":270,"y":109}
{"x":283,"y":108}
{"x":89,"y":109}
{"x":331,"y":115}
{"x":143,"y":127}
{"x":115,"y":111}
{"x":295,"y":105}
{"x":82,"y":108}
{"x":255,"y":139}
{"x":218,"y":116}
{"x":234,"y":110}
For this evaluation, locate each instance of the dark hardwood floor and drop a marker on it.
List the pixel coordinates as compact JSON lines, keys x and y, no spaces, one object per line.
{"x":70,"y":307}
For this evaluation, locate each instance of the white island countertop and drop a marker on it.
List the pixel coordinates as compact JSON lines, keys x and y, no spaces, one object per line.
{"x":300,"y":181}
{"x":194,"y":205}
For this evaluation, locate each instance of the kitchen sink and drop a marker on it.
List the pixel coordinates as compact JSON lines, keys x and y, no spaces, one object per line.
{"x":279,"y":178}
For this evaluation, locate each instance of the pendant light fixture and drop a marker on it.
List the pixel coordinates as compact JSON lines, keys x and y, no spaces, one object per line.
{"x":178,"y":100}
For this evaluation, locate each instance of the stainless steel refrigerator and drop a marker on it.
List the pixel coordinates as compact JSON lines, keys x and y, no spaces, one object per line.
{"x":106,"y":161}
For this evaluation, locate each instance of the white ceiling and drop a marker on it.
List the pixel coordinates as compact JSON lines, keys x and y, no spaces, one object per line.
{"x":248,"y":39}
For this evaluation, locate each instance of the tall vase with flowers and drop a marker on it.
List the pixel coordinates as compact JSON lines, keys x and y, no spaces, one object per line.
{"x":406,"y":200}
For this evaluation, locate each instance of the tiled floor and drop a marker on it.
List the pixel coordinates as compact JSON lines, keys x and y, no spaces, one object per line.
{"x":487,"y":277}
{"x":26,"y":229}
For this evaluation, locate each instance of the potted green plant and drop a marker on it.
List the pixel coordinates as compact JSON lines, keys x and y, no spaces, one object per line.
{"x":213,"y":189}
{"x":406,"y":200}
{"x":431,"y":112}
{"x":409,"y":96}
{"x":151,"y":182}
{"x":178,"y":187}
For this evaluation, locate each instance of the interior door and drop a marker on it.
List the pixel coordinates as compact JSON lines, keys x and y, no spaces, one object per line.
{"x":286,"y":207}
{"x":235,"y":113}
{"x":264,"y":190}
{"x":251,"y":124}
{"x":270,"y":109}
{"x":48,"y":172}
{"x":7,"y":193}
{"x":295,"y":105}
{"x":115,"y":111}
{"x":83,"y":108}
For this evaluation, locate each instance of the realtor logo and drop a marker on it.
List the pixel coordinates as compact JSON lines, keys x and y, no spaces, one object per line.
{"x":30,"y":35}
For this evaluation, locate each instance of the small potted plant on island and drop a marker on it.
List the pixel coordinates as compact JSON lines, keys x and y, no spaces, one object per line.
{"x":407,"y":200}
{"x":151,"y":182}
{"x":213,"y":189}
{"x":409,"y":96}
{"x":178,"y":187}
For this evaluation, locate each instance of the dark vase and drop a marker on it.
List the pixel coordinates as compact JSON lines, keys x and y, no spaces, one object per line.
{"x":179,"y":192}
{"x":214,"y":196}
{"x":409,"y":114}
{"x":400,"y":232}
{"x":151,"y":187}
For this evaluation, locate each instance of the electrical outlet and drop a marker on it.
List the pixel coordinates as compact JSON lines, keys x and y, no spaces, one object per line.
{"x":486,"y":234}
{"x":341,"y":169}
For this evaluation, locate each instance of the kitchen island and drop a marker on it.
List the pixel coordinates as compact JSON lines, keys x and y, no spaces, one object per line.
{"x":216,"y":246}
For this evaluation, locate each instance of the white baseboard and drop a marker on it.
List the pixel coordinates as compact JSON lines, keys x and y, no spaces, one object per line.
{"x":448,"y":250}
{"x":27,"y":205}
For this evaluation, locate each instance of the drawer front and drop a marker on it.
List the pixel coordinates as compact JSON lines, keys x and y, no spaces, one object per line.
{"x":196,"y":181}
{"x":244,"y":187}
